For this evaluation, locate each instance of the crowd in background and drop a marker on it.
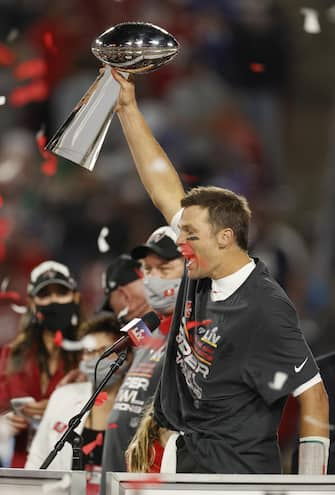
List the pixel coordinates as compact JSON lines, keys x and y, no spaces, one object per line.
{"x":218,"y":110}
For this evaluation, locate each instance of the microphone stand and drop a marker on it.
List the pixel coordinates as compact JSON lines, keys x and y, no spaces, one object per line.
{"x":70,"y":435}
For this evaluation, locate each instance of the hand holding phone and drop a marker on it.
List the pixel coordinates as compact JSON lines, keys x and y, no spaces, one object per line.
{"x":18,"y":404}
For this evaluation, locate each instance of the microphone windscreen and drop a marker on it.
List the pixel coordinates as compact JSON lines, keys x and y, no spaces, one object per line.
{"x":151,"y":320}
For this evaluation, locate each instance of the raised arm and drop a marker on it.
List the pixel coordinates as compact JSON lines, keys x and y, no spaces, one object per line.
{"x":157,"y":173}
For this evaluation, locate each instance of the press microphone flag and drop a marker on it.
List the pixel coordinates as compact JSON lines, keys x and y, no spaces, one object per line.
{"x":137,"y":331}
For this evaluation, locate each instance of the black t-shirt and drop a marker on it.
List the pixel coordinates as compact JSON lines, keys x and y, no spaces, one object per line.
{"x":137,"y":389}
{"x":229,"y":368}
{"x":327,"y":371}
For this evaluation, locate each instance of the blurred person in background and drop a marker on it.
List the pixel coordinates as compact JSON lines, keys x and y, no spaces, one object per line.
{"x":147,"y":450}
{"x":69,"y":399}
{"x":34,"y":362}
{"x":160,"y":273}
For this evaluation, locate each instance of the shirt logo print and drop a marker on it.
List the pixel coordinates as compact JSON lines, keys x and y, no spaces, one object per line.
{"x":278,"y":380}
{"x":297,"y":369}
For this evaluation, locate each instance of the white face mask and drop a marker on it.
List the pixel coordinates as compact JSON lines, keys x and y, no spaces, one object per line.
{"x":87,"y":366}
{"x":161,"y":292}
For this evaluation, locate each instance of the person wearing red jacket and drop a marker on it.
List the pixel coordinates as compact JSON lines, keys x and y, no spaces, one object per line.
{"x":34,"y":362}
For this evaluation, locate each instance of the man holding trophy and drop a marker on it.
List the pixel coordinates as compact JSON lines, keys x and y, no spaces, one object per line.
{"x":235,"y":350}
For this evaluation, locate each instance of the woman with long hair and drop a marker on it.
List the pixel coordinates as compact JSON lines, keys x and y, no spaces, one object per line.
{"x":147,"y":449}
{"x":32,"y":364}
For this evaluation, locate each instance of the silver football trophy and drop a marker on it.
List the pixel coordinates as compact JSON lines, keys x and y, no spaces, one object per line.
{"x":132,"y":47}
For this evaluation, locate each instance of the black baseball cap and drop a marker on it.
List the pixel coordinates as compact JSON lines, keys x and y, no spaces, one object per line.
{"x":47,"y":273}
{"x":122,"y":270}
{"x":161,"y":242}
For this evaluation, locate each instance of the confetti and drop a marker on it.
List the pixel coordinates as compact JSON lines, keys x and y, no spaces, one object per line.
{"x":103,"y":245}
{"x":112,"y":426}
{"x":101,"y":398}
{"x":49,"y":167}
{"x":4,"y":284}
{"x":30,"y":69}
{"x":19,"y":309}
{"x":12,"y":35}
{"x":89,"y":447}
{"x":33,"y":92}
{"x":257,"y":67}
{"x":10,"y":295}
{"x":49,"y":42}
{"x":58,"y":338}
{"x":3,"y":100}
{"x":7,"y":57}
{"x":311,"y":22}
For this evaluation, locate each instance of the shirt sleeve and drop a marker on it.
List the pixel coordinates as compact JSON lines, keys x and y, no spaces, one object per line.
{"x":175,"y":221}
{"x":279,"y":360}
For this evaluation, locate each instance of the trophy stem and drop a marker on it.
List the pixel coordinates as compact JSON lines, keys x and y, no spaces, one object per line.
{"x":81,"y":136}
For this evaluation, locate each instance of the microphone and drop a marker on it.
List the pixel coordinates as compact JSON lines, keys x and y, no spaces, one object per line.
{"x":136,"y":330}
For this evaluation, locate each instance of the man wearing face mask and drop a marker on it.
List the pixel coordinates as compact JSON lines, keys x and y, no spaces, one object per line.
{"x":34,"y":362}
{"x":162,"y":269}
{"x":97,"y":335}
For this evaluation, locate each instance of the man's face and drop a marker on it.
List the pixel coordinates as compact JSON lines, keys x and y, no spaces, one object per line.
{"x":156,"y":266}
{"x":198,"y":243}
{"x":162,"y":279}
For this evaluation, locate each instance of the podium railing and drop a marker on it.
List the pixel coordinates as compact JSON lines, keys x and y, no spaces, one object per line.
{"x":36,"y":482}
{"x":215,"y":484}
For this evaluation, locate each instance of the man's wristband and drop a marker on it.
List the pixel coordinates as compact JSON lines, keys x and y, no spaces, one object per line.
{"x":313,"y":455}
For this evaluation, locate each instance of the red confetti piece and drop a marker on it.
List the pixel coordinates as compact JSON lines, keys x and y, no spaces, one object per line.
{"x":112,"y":426}
{"x":101,"y":398}
{"x":41,"y":142}
{"x":189,"y":178}
{"x":49,"y":42}
{"x":1,"y":201}
{"x":58,"y":339}
{"x":33,"y":92}
{"x":49,"y":167}
{"x":91,"y":445}
{"x":203,"y":323}
{"x":10,"y":296}
{"x":257,"y":67}
{"x":30,"y":69}
{"x":7,"y":57}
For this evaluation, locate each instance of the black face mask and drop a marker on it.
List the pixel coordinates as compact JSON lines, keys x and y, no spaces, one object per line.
{"x":56,"y":316}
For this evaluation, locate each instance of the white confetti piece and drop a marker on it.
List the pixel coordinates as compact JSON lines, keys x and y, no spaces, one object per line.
{"x":3,"y":100}
{"x":12,"y":35}
{"x":4,"y":284}
{"x":311,"y":22}
{"x":18,"y":309}
{"x":103,"y":245}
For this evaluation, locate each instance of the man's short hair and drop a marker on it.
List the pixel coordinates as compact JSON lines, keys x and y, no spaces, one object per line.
{"x":225,"y":209}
